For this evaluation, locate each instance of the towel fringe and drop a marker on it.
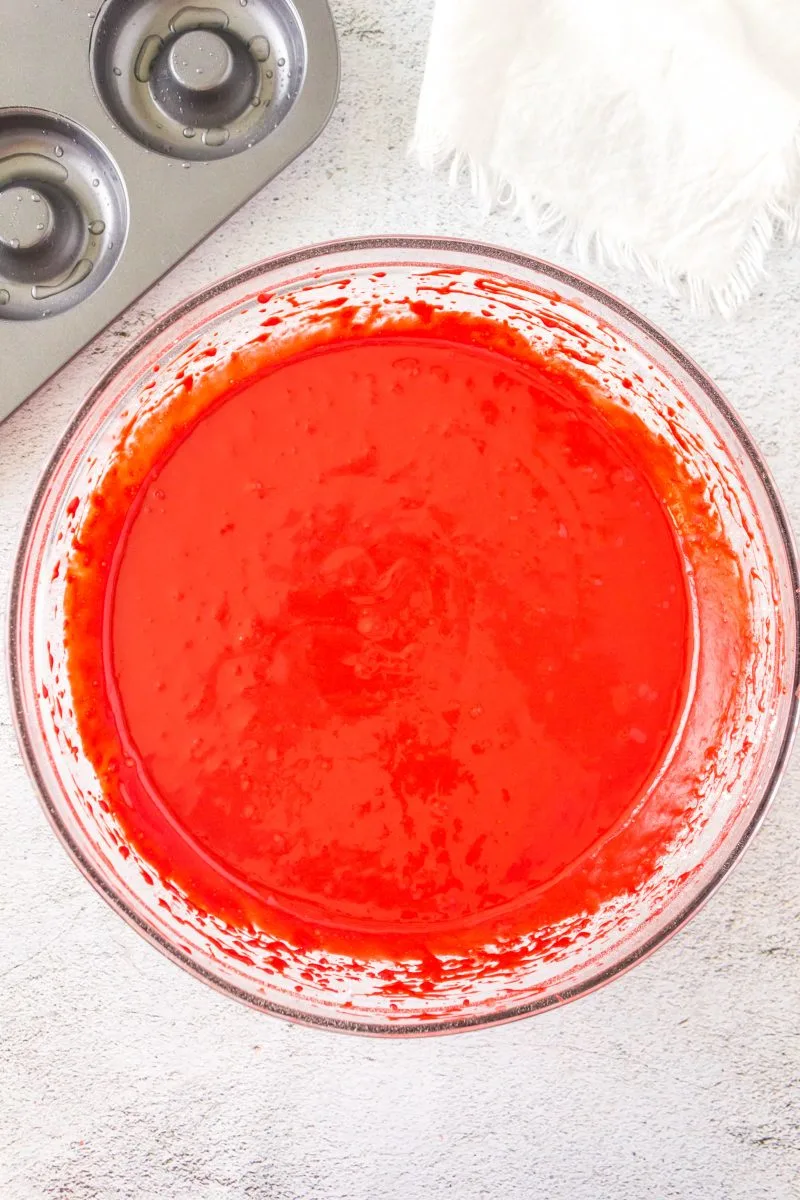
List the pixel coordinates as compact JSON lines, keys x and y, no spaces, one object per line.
{"x":561,"y":234}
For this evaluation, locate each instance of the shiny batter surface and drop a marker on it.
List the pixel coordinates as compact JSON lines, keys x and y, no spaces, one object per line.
{"x":391,"y":635}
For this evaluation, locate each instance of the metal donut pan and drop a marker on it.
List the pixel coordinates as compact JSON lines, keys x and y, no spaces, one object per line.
{"x":126,"y":136}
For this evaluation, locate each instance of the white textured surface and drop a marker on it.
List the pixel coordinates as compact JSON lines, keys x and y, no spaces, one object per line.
{"x":123,"y":1079}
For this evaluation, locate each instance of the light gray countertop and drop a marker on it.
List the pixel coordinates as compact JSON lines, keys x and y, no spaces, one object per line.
{"x":121,"y":1077}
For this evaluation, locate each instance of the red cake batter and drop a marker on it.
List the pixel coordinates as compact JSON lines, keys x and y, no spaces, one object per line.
{"x":385,"y":639}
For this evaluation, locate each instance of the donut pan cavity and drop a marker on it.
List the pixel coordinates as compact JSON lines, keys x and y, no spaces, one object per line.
{"x":127,"y":135}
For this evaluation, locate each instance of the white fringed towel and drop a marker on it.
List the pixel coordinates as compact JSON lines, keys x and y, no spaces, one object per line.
{"x":660,"y":134}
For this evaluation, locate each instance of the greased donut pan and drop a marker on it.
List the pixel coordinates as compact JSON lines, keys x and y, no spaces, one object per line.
{"x":126,"y":136}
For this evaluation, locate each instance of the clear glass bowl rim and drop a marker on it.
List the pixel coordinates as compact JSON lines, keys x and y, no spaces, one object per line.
{"x":316,"y":256}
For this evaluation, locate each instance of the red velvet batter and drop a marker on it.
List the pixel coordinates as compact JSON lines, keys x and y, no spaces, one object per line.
{"x":390,"y":638}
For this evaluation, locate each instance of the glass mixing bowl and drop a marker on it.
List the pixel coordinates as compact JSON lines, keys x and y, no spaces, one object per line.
{"x":732,"y":743}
